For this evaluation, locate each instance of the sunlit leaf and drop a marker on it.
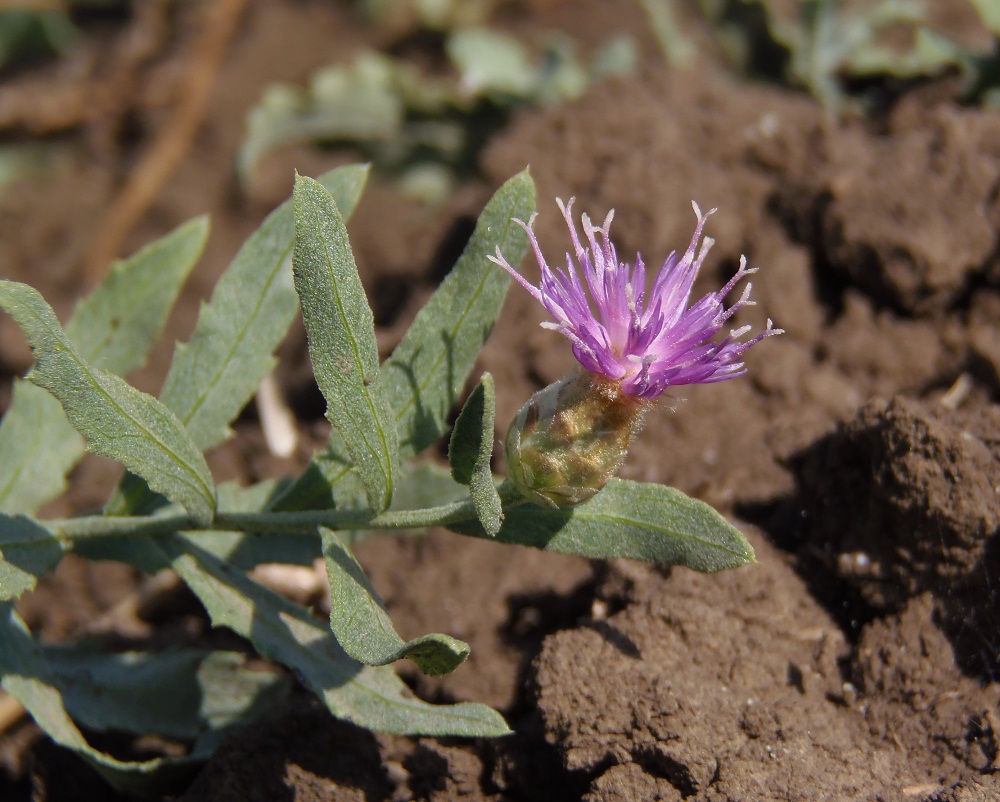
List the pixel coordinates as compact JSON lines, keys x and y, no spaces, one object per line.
{"x":118,"y":421}
{"x":341,"y":334}
{"x":214,"y":374}
{"x":425,"y":375}
{"x":113,"y":328}
{"x":373,"y":698}
{"x":362,"y":626}
{"x":471,"y":449}
{"x":641,"y":521}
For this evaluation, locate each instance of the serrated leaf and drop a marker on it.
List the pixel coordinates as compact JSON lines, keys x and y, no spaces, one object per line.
{"x":425,"y":375}
{"x":214,"y":375}
{"x":118,"y":421}
{"x":470,"y":452}
{"x":26,"y":675}
{"x":362,"y":626}
{"x":373,"y":698}
{"x":341,"y":334}
{"x":183,"y":693}
{"x":114,"y":328}
{"x":640,"y":521}
{"x":28,"y":551}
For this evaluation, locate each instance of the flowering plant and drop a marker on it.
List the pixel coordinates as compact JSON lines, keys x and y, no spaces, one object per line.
{"x":168,"y":512}
{"x":571,"y":437}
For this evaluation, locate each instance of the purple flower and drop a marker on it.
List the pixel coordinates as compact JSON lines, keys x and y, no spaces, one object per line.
{"x":646,"y":342}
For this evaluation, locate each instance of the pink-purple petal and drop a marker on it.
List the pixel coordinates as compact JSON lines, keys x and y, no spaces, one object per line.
{"x":647,"y":341}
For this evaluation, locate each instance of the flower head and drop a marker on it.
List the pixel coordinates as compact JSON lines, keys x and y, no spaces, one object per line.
{"x":644,"y":341}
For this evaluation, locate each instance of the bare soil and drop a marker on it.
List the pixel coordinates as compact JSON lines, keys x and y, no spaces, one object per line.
{"x":858,"y":660}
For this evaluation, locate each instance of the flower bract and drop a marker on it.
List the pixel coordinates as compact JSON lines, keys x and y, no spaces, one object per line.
{"x":647,"y":340}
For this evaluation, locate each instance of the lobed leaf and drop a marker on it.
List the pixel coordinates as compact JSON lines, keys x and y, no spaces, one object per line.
{"x":341,"y":334}
{"x":640,"y":521}
{"x":373,"y":698}
{"x":113,"y":328}
{"x":424,"y":377}
{"x":28,"y":551}
{"x":470,"y":452}
{"x":362,"y":626}
{"x":118,"y":421}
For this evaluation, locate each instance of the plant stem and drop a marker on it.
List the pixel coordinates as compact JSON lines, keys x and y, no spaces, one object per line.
{"x":71,"y":530}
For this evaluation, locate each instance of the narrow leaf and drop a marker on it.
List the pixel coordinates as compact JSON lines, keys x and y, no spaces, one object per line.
{"x":38,"y":449}
{"x":373,"y":698}
{"x":113,"y":328}
{"x":471,"y":449}
{"x":629,"y":519}
{"x":118,"y":421}
{"x":26,"y":675}
{"x":28,"y":551}
{"x":425,"y":375}
{"x":341,"y":335}
{"x":214,"y":375}
{"x":362,"y":626}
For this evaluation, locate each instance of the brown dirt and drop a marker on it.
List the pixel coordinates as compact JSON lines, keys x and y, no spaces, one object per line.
{"x":859,"y":659}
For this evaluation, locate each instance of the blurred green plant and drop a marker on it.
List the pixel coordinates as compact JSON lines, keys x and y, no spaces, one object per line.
{"x":836,"y":48}
{"x":26,"y":34}
{"x":39,"y":30}
{"x":167,"y":511}
{"x":426,"y":130}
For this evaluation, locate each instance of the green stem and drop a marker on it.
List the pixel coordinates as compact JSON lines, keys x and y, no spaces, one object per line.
{"x":70,"y":530}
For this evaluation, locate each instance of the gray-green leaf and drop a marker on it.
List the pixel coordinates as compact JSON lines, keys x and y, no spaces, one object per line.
{"x":26,"y":675}
{"x":114,"y":328}
{"x":181,"y":693}
{"x":214,"y":375}
{"x":118,"y":421}
{"x":341,"y":334}
{"x":28,"y":551}
{"x":373,"y":698}
{"x":362,"y":626}
{"x":216,"y":372}
{"x":471,"y":449}
{"x":629,"y":519}
{"x":425,"y":375}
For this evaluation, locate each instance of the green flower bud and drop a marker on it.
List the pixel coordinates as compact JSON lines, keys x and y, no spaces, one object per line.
{"x":571,"y":437}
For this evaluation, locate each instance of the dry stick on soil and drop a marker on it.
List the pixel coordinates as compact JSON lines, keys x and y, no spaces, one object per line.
{"x":166,"y":153}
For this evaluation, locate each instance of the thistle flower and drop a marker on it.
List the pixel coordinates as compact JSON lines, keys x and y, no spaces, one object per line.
{"x":570,"y":438}
{"x":645,"y":342}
